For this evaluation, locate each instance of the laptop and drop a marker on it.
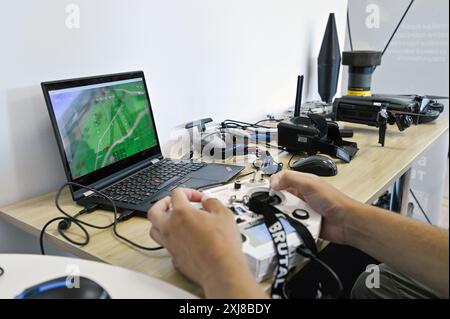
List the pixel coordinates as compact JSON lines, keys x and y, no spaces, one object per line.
{"x":107,"y":138}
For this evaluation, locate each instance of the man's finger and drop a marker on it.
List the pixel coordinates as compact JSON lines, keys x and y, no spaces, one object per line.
{"x":158,"y":214}
{"x":214,"y":206}
{"x":193,"y":195}
{"x":183,"y":196}
{"x":155,"y":234}
{"x":179,"y":198}
{"x":300,"y":181}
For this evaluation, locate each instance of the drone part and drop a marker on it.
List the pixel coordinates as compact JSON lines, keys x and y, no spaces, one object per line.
{"x":361,"y":64}
{"x":404,"y":122}
{"x":415,"y":96}
{"x":298,"y":100}
{"x":382,"y":119}
{"x":329,"y":62}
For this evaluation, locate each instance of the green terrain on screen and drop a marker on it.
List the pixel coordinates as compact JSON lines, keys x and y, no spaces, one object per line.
{"x":114,"y":123}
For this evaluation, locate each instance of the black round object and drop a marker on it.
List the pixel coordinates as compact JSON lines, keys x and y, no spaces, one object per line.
{"x":58,"y":289}
{"x":237,"y":185}
{"x":362,"y":58}
{"x":64,"y":225}
{"x":265,"y":197}
{"x":301,"y":214}
{"x":318,"y":165}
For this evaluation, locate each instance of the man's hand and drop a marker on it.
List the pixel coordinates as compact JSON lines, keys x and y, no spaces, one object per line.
{"x":333,"y":205}
{"x":205,"y":244}
{"x":413,"y":248}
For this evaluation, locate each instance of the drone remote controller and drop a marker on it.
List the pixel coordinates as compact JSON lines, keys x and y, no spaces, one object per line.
{"x":257,"y":242}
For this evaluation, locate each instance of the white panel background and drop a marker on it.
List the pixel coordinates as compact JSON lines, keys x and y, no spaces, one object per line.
{"x":225,"y":59}
{"x":417,"y":62}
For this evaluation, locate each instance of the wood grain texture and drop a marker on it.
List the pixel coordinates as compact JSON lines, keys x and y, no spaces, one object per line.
{"x":364,"y":179}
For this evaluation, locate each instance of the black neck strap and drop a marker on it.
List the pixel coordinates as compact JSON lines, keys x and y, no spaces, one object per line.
{"x":276,"y":229}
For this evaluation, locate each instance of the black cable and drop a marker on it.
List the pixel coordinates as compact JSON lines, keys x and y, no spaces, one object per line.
{"x":308,"y":254}
{"x":242,"y":125}
{"x":245,"y":175}
{"x":420,"y":207}
{"x":349,"y":29}
{"x":290,"y":161}
{"x":268,"y":120}
{"x":74,"y":219}
{"x":340,"y":286}
{"x":65,"y":224}
{"x":41,"y":236}
{"x":398,"y":27}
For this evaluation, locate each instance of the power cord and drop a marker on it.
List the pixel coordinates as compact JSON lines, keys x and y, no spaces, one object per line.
{"x":245,"y":175}
{"x":269,"y":121}
{"x":420,"y":207}
{"x":242,"y":125}
{"x":305,"y":252}
{"x":67,"y":220}
{"x":290,"y":161}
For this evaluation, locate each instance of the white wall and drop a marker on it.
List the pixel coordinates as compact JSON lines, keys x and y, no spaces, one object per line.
{"x":219,"y":58}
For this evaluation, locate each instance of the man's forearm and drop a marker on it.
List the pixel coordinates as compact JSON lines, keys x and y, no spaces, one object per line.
{"x":412,"y":248}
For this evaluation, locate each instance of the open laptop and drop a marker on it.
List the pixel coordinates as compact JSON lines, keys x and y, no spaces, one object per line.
{"x":107,"y":138}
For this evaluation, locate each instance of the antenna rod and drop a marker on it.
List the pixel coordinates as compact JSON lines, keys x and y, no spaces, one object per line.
{"x":298,"y":100}
{"x":398,"y":26}
{"x":350,"y":38}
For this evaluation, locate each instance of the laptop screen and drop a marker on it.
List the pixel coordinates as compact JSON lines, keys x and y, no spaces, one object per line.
{"x":101,"y":122}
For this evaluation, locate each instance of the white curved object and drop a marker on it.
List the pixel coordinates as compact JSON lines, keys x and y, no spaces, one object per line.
{"x":24,"y":271}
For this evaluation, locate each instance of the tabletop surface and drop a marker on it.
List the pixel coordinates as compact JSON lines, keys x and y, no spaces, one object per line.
{"x":367,"y":177}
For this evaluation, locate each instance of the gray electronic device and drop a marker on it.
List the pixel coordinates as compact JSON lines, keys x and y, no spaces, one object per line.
{"x":107,"y":137}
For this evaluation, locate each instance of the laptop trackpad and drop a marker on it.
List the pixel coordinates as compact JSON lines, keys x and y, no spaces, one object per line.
{"x":216,"y":173}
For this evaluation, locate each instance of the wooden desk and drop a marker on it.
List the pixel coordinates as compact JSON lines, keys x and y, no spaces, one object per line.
{"x":369,"y":175}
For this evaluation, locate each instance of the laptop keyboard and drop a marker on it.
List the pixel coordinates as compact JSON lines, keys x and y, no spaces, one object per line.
{"x":143,"y":185}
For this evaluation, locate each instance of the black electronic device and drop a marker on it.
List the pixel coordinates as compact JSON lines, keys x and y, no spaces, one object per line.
{"x":360,"y":106}
{"x":63,"y":288}
{"x":329,"y":62}
{"x":107,"y":137}
{"x":361,"y":65}
{"x":314,"y":134}
{"x":299,"y":96}
{"x":317,"y":165}
{"x":383,"y":110}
